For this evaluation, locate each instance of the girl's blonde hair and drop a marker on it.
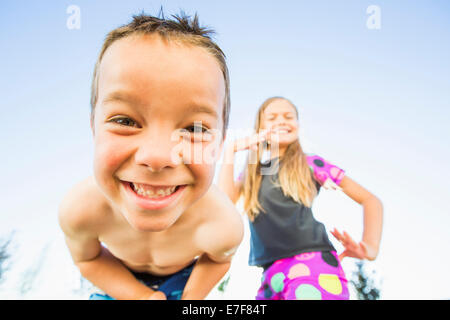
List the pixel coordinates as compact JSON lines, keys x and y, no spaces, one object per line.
{"x":295,"y":177}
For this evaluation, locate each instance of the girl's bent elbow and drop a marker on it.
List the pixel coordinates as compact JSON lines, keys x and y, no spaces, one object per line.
{"x":373,"y":201}
{"x":379,"y":203}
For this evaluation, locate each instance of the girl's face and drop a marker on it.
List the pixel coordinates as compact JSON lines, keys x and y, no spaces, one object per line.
{"x":280,"y":117}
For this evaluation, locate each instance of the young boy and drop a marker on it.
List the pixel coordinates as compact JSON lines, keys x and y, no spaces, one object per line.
{"x":149,"y":224}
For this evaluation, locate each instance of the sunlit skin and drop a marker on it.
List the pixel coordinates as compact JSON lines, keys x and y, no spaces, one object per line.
{"x":279,"y":121}
{"x":150,"y":91}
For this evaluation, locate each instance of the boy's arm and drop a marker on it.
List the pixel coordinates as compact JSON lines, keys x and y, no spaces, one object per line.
{"x":219,"y":239}
{"x":205,"y":275}
{"x":110,"y":275}
{"x":95,"y":262}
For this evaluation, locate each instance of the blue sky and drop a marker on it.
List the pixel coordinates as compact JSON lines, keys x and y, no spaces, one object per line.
{"x":374,"y":102}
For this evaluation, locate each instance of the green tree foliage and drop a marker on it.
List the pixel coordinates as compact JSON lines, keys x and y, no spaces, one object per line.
{"x":364,"y":284}
{"x":29,"y":277}
{"x":5,"y":255}
{"x":223,"y":285}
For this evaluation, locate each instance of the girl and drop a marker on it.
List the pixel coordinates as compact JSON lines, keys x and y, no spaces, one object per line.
{"x":299,"y":260}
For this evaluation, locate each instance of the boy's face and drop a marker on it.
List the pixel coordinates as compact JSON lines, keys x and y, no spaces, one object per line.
{"x":148,"y":91}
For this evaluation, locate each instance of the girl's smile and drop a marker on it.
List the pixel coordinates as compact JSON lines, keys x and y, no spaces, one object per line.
{"x":281,"y":129}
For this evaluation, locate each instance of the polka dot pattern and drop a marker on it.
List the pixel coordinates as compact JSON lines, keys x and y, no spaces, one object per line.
{"x":312,"y":275}
{"x":318,"y":163}
{"x":305,"y":256}
{"x":307,"y":292}
{"x":299,"y":270}
{"x":323,"y":170}
{"x":330,"y":283}
{"x":267,"y":292}
{"x":329,"y":259}
{"x":277,"y":282}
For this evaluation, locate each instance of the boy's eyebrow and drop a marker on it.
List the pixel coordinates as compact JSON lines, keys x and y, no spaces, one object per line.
{"x":132,"y":99}
{"x":202,"y":109}
{"x":121,"y":96}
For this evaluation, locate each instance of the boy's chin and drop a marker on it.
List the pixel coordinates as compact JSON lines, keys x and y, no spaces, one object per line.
{"x":151,"y":223}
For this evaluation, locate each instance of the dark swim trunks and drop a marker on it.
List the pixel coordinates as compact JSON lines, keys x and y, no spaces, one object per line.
{"x":172,"y":285}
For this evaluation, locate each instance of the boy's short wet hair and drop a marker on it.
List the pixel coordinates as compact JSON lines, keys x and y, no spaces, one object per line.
{"x":181,"y":28}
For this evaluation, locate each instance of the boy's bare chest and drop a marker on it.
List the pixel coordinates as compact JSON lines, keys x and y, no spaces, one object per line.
{"x":162,"y":253}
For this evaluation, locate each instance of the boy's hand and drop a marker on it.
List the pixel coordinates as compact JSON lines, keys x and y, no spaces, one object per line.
{"x":157,"y":295}
{"x":360,"y":250}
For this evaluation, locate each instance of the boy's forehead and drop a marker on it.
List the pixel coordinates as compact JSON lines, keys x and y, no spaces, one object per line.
{"x":149,"y":65}
{"x":148,"y":55}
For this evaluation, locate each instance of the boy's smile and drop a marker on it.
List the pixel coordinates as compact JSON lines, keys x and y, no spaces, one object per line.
{"x":153,"y":197}
{"x":148,"y":89}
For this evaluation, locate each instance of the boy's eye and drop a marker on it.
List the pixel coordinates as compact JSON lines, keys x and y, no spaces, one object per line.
{"x":197,"y":133}
{"x":196,"y":129}
{"x":124,"y":121}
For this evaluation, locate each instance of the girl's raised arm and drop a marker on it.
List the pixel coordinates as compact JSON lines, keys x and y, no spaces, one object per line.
{"x":226,"y":181}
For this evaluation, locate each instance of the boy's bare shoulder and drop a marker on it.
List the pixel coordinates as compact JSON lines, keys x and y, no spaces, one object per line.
{"x":217,"y":206}
{"x":83,"y":207}
{"x":222,"y":228}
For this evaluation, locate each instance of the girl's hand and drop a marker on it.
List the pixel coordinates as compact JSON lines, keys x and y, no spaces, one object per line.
{"x":250,"y":142}
{"x":360,"y":250}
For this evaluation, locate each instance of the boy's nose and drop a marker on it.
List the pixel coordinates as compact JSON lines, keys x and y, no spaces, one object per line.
{"x":156,"y":153}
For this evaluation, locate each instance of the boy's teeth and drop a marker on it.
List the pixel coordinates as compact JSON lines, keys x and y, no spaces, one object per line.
{"x":152,"y":192}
